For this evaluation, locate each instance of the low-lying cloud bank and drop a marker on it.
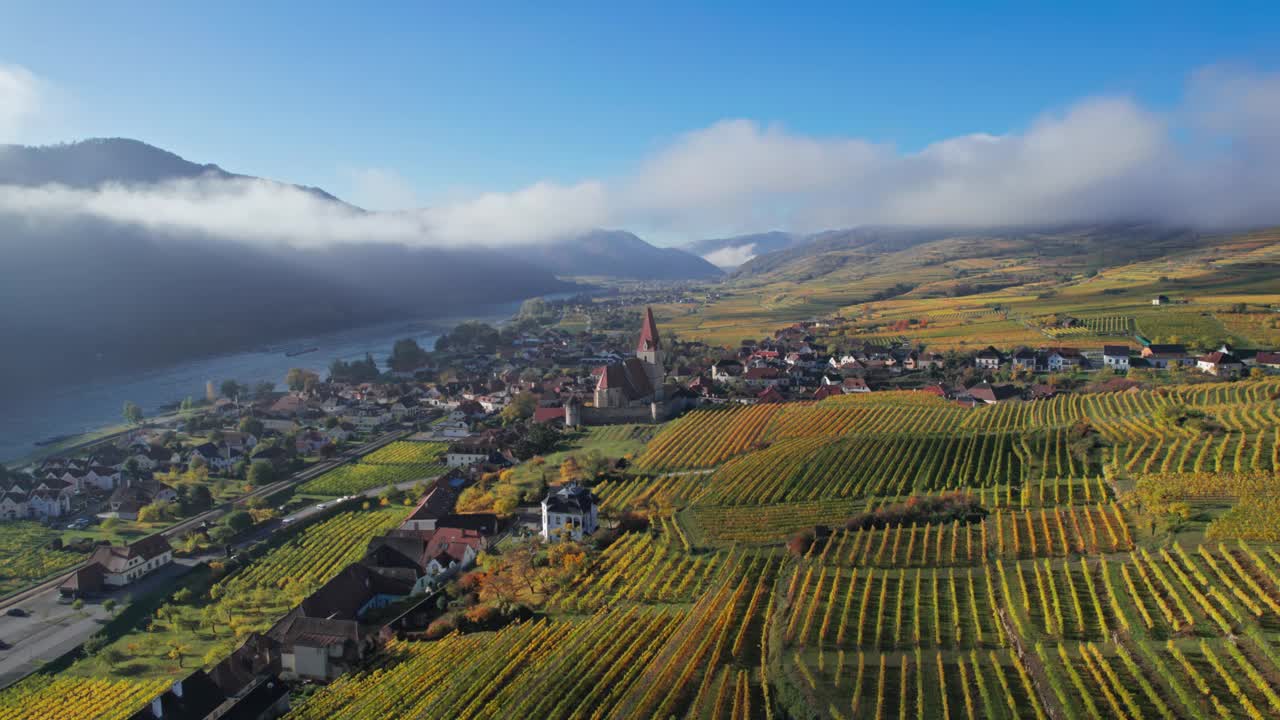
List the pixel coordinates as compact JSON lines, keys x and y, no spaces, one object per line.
{"x":266,"y":212}
{"x":731,"y":257}
{"x":1211,"y":162}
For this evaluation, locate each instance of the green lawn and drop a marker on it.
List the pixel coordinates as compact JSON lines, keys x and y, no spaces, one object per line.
{"x":611,"y":441}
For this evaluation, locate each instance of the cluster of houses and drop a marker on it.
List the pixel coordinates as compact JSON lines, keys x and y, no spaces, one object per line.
{"x":333,"y":630}
{"x":1223,"y":362}
{"x":113,"y":479}
{"x":56,"y":486}
{"x":390,"y":590}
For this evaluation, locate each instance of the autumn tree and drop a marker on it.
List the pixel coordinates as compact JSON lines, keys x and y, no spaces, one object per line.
{"x":132,"y":413}
{"x":520,"y":408}
{"x":301,"y":379}
{"x":569,"y":470}
{"x":177,"y":650}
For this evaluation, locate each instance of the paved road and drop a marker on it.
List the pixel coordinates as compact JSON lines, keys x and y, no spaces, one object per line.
{"x":52,"y":629}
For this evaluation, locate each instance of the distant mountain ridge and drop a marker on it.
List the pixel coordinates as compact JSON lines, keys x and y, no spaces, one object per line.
{"x":619,"y":254}
{"x":95,"y":162}
{"x":731,"y":252}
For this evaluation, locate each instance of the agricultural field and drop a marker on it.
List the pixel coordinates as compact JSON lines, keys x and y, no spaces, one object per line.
{"x":401,"y":461}
{"x":1261,"y":329}
{"x":25,"y":555}
{"x":1071,"y":595}
{"x":1195,"y":327}
{"x":43,"y":698}
{"x":1121,"y":563}
{"x":1070,"y":587}
{"x":636,"y":657}
{"x":704,"y":438}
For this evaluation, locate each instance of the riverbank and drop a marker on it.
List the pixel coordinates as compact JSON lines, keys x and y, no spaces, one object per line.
{"x":90,"y":410}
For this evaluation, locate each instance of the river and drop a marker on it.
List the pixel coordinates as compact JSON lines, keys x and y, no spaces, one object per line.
{"x":69,"y":408}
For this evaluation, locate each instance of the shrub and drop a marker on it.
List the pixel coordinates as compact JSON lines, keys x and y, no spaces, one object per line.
{"x":918,"y":510}
{"x":801,"y":542}
{"x":441,"y":626}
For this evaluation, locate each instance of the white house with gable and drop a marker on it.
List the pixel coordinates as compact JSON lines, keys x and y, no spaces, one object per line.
{"x":568,"y":511}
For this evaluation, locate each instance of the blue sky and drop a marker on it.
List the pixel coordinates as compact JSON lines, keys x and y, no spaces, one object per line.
{"x":446,"y":101}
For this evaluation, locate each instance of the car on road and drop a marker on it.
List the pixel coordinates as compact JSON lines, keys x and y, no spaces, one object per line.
{"x":15,"y":612}
{"x":4,"y":645}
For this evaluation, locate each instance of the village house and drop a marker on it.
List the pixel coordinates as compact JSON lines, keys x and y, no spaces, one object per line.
{"x":1116,"y":357}
{"x":1023,"y":359}
{"x":1221,"y":364}
{"x":770,"y":395}
{"x":437,"y":503}
{"x":726,"y":371}
{"x":368,"y":418}
{"x":988,"y":359}
{"x":854,"y":385}
{"x":311,"y":442}
{"x":26,"y":497}
{"x":826,"y":390}
{"x":241,"y":442}
{"x":1162,"y":356}
{"x":451,"y":428}
{"x":463,"y":454}
{"x":993,"y":394}
{"x":430,"y":557}
{"x":568,"y":512}
{"x":1270,"y":360}
{"x":765,"y":376}
{"x":114,"y":566}
{"x":323,"y":639}
{"x":1057,"y":359}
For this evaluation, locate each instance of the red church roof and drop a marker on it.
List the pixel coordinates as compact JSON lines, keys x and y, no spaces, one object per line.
{"x":648,"y":333}
{"x":628,"y":375}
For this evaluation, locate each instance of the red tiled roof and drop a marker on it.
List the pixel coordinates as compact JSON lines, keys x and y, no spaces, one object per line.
{"x":1219,"y":358}
{"x":548,"y":414}
{"x":648,"y":333}
{"x":629,"y":375}
{"x":827,"y":391}
{"x":770,"y":395}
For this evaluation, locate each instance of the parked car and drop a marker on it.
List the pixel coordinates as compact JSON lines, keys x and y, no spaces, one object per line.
{"x":16,"y":612}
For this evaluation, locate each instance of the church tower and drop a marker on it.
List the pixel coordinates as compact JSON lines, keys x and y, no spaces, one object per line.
{"x":649,"y":351}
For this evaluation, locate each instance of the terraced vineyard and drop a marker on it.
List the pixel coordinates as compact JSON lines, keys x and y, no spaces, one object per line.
{"x":1057,"y":594}
{"x":278,"y":580}
{"x":706,"y":437}
{"x":1113,"y":326}
{"x":401,"y":461}
{"x":799,"y":561}
{"x":25,"y":555}
{"x":629,"y":660}
{"x":44,"y":698}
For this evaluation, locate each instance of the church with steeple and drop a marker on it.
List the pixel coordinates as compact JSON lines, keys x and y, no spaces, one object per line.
{"x":633,"y":390}
{"x":636,"y":381}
